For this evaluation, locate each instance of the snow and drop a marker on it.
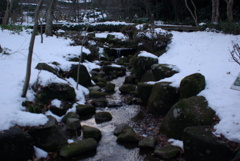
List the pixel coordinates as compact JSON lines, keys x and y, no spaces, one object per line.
{"x":208,"y":53}
{"x":147,"y":54}
{"x":40,"y":153}
{"x":175,"y":142}
{"x":196,"y":52}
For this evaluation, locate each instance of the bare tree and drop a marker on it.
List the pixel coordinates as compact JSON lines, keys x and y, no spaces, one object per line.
{"x":229,"y":10}
{"x":215,"y":11}
{"x":30,"y":51}
{"x":7,"y":12}
{"x":235,"y":53}
{"x":49,"y":17}
{"x":194,"y":15}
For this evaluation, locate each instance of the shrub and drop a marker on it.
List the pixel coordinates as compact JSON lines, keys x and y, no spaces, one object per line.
{"x":154,"y":42}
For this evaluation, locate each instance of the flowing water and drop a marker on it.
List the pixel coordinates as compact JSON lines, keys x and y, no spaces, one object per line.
{"x":108,"y":148}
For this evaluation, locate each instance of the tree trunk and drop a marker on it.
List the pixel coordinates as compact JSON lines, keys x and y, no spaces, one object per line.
{"x":215,"y":11}
{"x":194,"y":15}
{"x":30,"y":51}
{"x":49,"y":17}
{"x":7,"y":12}
{"x":229,"y":10}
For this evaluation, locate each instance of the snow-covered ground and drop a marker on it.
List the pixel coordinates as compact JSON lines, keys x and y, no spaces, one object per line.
{"x":203,"y":52}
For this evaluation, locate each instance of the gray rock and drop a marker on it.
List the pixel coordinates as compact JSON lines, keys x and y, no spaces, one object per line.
{"x":91,"y":132}
{"x":85,"y":79}
{"x":48,"y":137}
{"x":85,"y":111}
{"x":16,"y":145}
{"x":167,"y":152}
{"x":127,"y":88}
{"x":148,"y":142}
{"x":201,"y":145}
{"x":46,"y":67}
{"x":100,"y":102}
{"x":78,"y":148}
{"x":120,"y":128}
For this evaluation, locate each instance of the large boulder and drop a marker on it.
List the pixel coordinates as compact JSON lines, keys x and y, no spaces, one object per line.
{"x":91,"y":132}
{"x":16,"y":145}
{"x":192,"y":85}
{"x":144,"y":91}
{"x":48,"y":137}
{"x":193,"y":111}
{"x":120,"y":128}
{"x":161,"y":71}
{"x":142,"y":64}
{"x":58,"y":91}
{"x":201,"y":145}
{"x":162,"y":98}
{"x":80,"y":147}
{"x":84,"y":77}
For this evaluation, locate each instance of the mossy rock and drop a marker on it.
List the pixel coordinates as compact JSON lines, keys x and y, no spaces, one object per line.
{"x":144,"y":91}
{"x":192,"y":85}
{"x":97,"y":94}
{"x":84,"y":77}
{"x":167,"y":152}
{"x":111,"y":69}
{"x":48,"y":137}
{"x":91,"y":132}
{"x":123,"y":61}
{"x":148,"y":142}
{"x":101,"y":117}
{"x":46,"y":67}
{"x":162,"y":98}
{"x":58,"y":91}
{"x":148,"y":76}
{"x":73,"y":124}
{"x":57,"y":111}
{"x":70,"y":115}
{"x":80,"y":147}
{"x":85,"y":111}
{"x":130,"y":79}
{"x":200,"y":144}
{"x":100,"y":102}
{"x":161,"y":71}
{"x":143,"y":64}
{"x":127,"y":88}
{"x":109,"y":87}
{"x":128,"y":136}
{"x":16,"y":145}
{"x":193,"y":111}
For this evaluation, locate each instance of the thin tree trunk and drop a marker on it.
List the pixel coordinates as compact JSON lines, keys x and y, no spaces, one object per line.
{"x":30,"y":51}
{"x":229,"y":10}
{"x":194,"y":15}
{"x":215,"y":11}
{"x":50,"y":12}
{"x":7,"y":12}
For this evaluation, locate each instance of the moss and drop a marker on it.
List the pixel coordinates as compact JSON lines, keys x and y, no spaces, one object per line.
{"x":192,"y":85}
{"x":193,"y":111}
{"x":144,"y":91}
{"x":127,"y":88}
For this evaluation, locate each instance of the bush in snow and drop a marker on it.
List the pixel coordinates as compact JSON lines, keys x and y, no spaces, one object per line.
{"x":153,"y":42}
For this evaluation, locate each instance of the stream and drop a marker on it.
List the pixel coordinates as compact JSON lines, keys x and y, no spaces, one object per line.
{"x":108,"y":148}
